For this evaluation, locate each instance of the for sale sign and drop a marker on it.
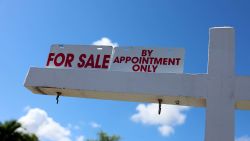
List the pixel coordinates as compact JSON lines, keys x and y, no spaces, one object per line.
{"x":130,"y":59}
{"x":79,"y":56}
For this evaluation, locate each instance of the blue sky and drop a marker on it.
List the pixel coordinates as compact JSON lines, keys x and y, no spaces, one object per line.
{"x":28,"y":28}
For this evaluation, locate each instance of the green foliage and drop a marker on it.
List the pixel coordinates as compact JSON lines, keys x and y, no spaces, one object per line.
{"x":9,"y":132}
{"x":102,"y":136}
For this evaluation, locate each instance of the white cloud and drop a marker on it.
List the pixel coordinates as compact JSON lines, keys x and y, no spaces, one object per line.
{"x":95,"y":125}
{"x":37,"y":121}
{"x":105,"y":41}
{"x":80,"y":138}
{"x":166,"y":130}
{"x":243,"y":138}
{"x":170,"y":116}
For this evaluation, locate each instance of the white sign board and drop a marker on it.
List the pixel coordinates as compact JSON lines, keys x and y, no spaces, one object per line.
{"x":159,"y":60}
{"x":128,"y":59}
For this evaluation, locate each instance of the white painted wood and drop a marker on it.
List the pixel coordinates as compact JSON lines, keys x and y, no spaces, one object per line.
{"x":122,"y":84}
{"x":220,"y":91}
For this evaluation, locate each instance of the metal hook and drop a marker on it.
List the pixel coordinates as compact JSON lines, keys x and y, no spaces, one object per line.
{"x":177,"y":102}
{"x":57,"y":97}
{"x":159,"y":110}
